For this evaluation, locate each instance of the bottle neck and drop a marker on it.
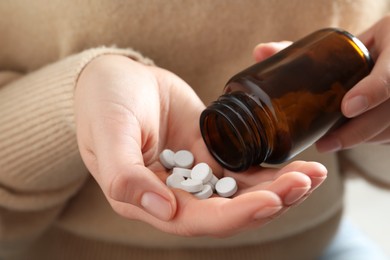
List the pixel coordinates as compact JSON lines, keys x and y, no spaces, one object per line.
{"x":233,"y":133}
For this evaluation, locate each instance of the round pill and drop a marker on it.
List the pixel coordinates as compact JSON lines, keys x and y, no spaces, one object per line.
{"x":174,"y":181}
{"x":183,"y":159}
{"x":166,"y":158}
{"x":182,"y":171}
{"x":226,"y":187}
{"x":202,"y":172}
{"x":205,"y":193}
{"x":191,"y":185}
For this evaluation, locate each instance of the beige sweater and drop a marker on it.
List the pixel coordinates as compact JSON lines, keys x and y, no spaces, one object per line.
{"x":50,"y":207}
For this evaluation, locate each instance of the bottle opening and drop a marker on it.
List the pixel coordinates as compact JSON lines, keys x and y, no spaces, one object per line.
{"x":221,"y":130}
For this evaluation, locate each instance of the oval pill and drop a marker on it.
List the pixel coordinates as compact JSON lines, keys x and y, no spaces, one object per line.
{"x":205,"y":193}
{"x":226,"y":187}
{"x":202,"y":172}
{"x":166,"y":158}
{"x":183,"y":159}
{"x":174,"y":181}
{"x":186,"y":173}
{"x":191,"y":185}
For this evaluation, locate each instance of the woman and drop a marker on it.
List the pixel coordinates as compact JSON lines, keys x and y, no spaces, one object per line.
{"x":67,"y":102}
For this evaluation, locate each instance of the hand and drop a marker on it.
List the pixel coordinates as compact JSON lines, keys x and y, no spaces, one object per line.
{"x":367,"y":104}
{"x":127,"y":113}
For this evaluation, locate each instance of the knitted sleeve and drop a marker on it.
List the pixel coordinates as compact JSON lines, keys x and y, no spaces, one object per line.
{"x":40,"y":165}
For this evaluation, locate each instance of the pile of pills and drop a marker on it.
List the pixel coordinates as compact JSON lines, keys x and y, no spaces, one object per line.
{"x":198,"y":180}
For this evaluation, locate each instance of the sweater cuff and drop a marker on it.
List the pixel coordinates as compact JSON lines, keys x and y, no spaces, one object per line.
{"x":40,"y":165}
{"x":67,"y":72}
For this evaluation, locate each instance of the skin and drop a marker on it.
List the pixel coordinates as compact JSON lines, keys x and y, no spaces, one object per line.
{"x":127,"y":113}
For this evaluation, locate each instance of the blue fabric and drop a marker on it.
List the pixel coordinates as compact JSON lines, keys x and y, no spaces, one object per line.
{"x":352,"y":244}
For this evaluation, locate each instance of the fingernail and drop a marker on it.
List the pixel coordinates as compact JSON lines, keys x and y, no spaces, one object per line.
{"x":295,"y":194}
{"x":329,"y":144}
{"x":266,"y":212}
{"x":356,"y":106}
{"x":156,"y":205}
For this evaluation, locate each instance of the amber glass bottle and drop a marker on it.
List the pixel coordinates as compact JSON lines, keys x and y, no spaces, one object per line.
{"x":274,"y":109}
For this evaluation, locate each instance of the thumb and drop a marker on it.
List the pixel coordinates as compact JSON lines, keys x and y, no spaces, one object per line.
{"x":124,"y":177}
{"x":265,"y":50}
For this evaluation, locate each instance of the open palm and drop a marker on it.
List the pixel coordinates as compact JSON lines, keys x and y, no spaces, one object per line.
{"x":127,"y":113}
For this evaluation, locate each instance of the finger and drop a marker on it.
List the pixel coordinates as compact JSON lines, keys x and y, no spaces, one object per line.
{"x":215,"y":216}
{"x":358,"y":130}
{"x":122,"y":173}
{"x":317,"y":172}
{"x":370,"y":91}
{"x":264,"y":50}
{"x":256,"y":175}
{"x":221,"y":217}
{"x":290,"y":187}
{"x":375,"y":88}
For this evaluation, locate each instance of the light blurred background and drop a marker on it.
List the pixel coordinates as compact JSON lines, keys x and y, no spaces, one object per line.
{"x":369,"y":208}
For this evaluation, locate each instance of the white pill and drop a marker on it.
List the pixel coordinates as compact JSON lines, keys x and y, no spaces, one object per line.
{"x":174,"y":181}
{"x":213,"y":180}
{"x":226,"y":187}
{"x":186,"y":173}
{"x":202,"y":172}
{"x":205,"y":193}
{"x":191,"y":185}
{"x":166,"y":158}
{"x":183,"y":159}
